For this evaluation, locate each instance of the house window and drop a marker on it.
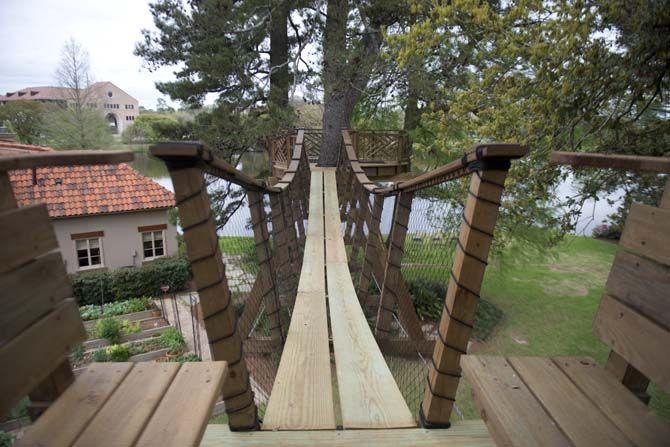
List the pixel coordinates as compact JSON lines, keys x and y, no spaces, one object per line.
{"x":152,"y":244}
{"x":89,"y":252}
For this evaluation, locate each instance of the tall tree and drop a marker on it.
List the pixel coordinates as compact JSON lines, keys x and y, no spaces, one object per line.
{"x":25,"y":119}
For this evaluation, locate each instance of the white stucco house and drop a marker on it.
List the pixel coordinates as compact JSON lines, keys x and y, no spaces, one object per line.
{"x":105,"y":216}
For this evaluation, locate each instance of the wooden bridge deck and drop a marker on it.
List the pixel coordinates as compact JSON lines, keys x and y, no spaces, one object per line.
{"x":302,"y":397}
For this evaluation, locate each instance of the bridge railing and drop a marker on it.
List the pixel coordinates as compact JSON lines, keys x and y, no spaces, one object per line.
{"x":412,"y":241}
{"x":244,"y":239}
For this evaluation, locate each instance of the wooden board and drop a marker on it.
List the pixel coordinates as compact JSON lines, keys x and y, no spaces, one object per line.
{"x":26,"y":234}
{"x":647,"y":232}
{"x":24,"y":299}
{"x":511,"y":412}
{"x":125,"y":414}
{"x":183,"y":413}
{"x":621,"y":406}
{"x":643,"y":343}
{"x":577,"y":416}
{"x":461,"y":434}
{"x":369,"y":396}
{"x":69,"y":415}
{"x":642,"y":284}
{"x":37,"y":351}
{"x":64,"y":158}
{"x":614,"y":161}
{"x":302,"y":397}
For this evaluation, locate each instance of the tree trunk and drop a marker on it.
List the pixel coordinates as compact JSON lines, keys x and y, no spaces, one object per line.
{"x":279,"y":73}
{"x":334,"y":81}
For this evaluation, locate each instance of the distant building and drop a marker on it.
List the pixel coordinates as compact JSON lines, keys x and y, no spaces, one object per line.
{"x":104,"y":216}
{"x":118,"y":107}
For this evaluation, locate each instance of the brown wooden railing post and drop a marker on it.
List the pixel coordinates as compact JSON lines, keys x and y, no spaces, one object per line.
{"x":291,"y":239}
{"x":263,"y":254}
{"x":362,"y":211}
{"x":392,"y":278}
{"x":219,"y":316}
{"x":467,"y":273}
{"x":371,"y":248}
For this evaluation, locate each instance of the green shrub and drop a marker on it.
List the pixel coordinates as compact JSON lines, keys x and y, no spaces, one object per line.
{"x":100,"y":356}
{"x":93,"y":311}
{"x":127,"y":283}
{"x":78,"y":353}
{"x":109,"y":328}
{"x":117,"y":353}
{"x":130,"y":327}
{"x":6,"y":439}
{"x":173,"y":340}
{"x":190,"y":357}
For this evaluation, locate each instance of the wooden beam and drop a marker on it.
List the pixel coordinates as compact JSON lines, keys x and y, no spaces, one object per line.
{"x":219,"y":317}
{"x":612,"y":161}
{"x":64,"y":158}
{"x":467,"y":273}
{"x":372,"y":246}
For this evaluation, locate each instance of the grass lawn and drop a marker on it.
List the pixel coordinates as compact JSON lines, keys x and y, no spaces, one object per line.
{"x":549,"y":305}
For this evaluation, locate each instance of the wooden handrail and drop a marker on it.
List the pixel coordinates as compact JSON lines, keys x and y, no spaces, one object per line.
{"x":64,"y":158}
{"x":612,"y":161}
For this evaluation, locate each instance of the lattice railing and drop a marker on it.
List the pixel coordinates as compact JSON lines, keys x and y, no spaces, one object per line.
{"x":425,"y":236}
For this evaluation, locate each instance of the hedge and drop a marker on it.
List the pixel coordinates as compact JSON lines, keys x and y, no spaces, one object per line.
{"x":127,"y":283}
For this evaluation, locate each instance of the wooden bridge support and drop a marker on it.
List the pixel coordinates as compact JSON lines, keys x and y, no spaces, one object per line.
{"x":215,"y":301}
{"x":371,"y":250}
{"x":392,"y":273}
{"x":266,"y":270}
{"x":467,"y":273}
{"x":358,"y":240}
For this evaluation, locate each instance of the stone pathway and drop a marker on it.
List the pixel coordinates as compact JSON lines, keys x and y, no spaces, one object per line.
{"x":238,"y":280}
{"x":186,"y":322}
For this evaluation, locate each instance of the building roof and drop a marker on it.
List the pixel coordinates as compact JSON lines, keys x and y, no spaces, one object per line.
{"x":48,"y":93}
{"x":74,"y":191}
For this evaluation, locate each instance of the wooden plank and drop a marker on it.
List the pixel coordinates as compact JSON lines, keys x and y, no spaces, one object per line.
{"x":640,"y":341}
{"x":613,"y":161}
{"x":369,"y":396}
{"x":302,"y":396}
{"x":626,"y":411}
{"x":577,"y":416}
{"x":26,"y":234}
{"x":125,"y":414}
{"x":196,"y":388}
{"x":461,"y":434}
{"x":36,"y":351}
{"x":64,"y":158}
{"x":642,"y":284}
{"x":62,"y":423}
{"x":25,"y":299}
{"x":7,"y":199}
{"x":512,"y":414}
{"x":647,"y":232}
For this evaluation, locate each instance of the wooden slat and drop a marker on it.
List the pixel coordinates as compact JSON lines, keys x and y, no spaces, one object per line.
{"x":26,"y":234}
{"x":512,"y":414}
{"x":639,"y":340}
{"x":632,"y":162}
{"x":302,"y":396}
{"x":642,"y":284}
{"x":626,"y":411}
{"x":369,"y":397}
{"x":577,"y":416}
{"x":64,"y":158}
{"x":24,"y":299}
{"x":182,"y":415}
{"x":68,"y":416}
{"x":461,"y":434}
{"x":647,"y":232}
{"x":125,"y":414}
{"x":34,"y":353}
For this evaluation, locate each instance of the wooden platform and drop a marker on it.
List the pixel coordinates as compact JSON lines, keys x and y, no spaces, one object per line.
{"x":461,"y":434}
{"x":530,"y":401}
{"x":302,"y":396}
{"x":132,"y":404}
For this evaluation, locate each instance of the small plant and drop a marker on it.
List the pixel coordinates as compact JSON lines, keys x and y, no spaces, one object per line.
{"x":94,"y":311}
{"x":190,"y":357}
{"x":117,"y":353}
{"x":130,"y":327}
{"x":78,"y":353}
{"x":110,"y":329}
{"x":100,"y":356}
{"x":172,"y":340}
{"x":6,"y":439}
{"x":428,"y":298}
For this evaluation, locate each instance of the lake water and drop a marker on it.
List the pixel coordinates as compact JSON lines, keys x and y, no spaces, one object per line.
{"x":256,"y":164}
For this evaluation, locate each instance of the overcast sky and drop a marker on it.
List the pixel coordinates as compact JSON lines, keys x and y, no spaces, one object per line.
{"x":32,"y":33}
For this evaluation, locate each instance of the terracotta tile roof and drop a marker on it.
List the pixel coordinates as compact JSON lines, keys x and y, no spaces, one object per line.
{"x":45,"y":93}
{"x":71,"y":191}
{"x":12,"y":149}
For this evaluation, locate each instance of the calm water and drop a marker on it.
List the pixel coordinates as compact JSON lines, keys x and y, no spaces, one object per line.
{"x":256,"y":164}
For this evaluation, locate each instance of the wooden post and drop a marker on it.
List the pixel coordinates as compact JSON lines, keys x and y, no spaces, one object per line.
{"x":371,"y":248}
{"x":362,"y":212}
{"x":219,"y":316}
{"x":265,"y":270}
{"x":467,"y":273}
{"x":392,"y":273}
{"x":291,"y":240}
{"x":282,"y":265}
{"x":352,"y":214}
